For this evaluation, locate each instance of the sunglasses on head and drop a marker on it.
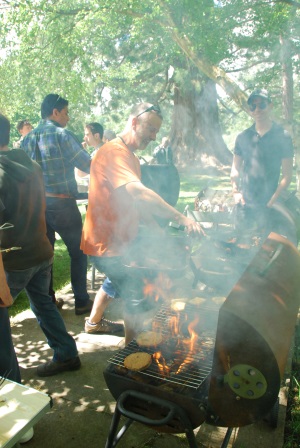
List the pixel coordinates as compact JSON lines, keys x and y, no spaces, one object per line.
{"x":263,"y":105}
{"x":56,"y":101}
{"x":149,"y":109}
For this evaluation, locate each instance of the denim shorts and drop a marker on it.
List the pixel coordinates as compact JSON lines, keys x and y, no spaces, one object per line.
{"x":111,"y":267}
{"x":109,"y":289}
{"x":126,"y":286}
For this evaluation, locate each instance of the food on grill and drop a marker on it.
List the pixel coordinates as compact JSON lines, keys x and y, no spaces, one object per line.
{"x":178,"y":305}
{"x":138,"y":361}
{"x":243,"y":246}
{"x":197,"y":301}
{"x":219,"y":300}
{"x":149,"y":339}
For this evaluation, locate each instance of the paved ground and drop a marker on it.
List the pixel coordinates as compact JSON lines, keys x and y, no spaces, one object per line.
{"x":83,"y":405}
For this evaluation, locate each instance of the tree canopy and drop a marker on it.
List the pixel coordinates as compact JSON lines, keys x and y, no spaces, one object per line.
{"x":105,"y":56}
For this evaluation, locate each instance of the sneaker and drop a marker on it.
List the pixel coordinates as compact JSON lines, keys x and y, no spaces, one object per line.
{"x":27,"y":436}
{"x":53,"y":367}
{"x":103,"y":327}
{"x":84,"y":309}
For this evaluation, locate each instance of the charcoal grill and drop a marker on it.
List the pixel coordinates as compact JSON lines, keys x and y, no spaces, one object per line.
{"x":232,"y":378}
{"x":172,"y":400}
{"x":148,"y":257}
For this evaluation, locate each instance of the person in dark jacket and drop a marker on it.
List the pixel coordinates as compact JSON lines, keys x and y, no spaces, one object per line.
{"x":9,"y":366}
{"x":26,"y":251}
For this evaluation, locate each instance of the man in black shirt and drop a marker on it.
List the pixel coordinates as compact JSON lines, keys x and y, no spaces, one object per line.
{"x":163,"y":153}
{"x":262,"y":152}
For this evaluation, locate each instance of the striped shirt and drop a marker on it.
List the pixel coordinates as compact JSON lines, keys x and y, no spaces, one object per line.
{"x":58,"y":152}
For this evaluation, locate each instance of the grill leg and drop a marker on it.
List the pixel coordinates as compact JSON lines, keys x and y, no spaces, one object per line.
{"x":227,"y":438}
{"x":113,"y":438}
{"x":173,"y":409}
{"x":191,"y":438}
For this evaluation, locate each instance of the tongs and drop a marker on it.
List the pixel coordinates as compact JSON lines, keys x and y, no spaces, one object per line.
{"x":6,"y":225}
{"x":177,"y":226}
{"x":9,"y":249}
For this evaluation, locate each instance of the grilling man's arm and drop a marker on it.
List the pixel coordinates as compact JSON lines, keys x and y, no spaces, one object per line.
{"x":150,"y":203}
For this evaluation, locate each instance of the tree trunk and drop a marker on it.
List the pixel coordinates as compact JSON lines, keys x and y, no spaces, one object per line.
{"x":196,"y":136}
{"x":213,"y":72}
{"x":288,"y":98}
{"x":287,"y":79}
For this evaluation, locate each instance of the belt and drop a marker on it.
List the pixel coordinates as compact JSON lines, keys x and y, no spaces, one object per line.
{"x":57,"y":195}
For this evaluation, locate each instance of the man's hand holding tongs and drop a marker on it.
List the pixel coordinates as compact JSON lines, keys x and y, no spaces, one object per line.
{"x":191,"y":227}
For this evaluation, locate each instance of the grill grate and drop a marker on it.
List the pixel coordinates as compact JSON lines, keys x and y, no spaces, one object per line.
{"x":173,"y":362}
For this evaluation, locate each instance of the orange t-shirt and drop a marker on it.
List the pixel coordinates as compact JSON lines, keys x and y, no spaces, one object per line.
{"x":112,"y":219}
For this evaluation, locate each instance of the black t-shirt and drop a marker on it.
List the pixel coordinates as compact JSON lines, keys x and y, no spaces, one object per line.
{"x":262,"y":158}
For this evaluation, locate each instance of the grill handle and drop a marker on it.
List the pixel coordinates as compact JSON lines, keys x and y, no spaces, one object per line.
{"x":172,"y":408}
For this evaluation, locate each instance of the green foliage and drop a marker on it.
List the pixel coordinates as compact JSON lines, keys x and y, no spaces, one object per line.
{"x":292,"y":428}
{"x":104,"y":56}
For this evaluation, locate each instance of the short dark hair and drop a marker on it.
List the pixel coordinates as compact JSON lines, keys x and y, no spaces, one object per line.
{"x":4,"y":130}
{"x":51,"y":102}
{"x":95,"y":128}
{"x":22,"y":123}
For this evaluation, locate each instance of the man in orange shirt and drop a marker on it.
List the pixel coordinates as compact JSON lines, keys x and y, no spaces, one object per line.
{"x":119,"y":202}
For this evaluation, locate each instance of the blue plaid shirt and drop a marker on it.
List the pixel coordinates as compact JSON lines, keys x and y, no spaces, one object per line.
{"x":58,"y":152}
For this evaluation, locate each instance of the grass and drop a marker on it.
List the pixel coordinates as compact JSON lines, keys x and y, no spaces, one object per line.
{"x":191,"y":184}
{"x":292,"y":427}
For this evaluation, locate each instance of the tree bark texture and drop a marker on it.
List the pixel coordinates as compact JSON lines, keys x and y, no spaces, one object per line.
{"x":196,"y":136}
{"x":288,"y":99}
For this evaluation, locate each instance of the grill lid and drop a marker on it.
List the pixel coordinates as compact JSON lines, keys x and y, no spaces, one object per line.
{"x":255,"y":328}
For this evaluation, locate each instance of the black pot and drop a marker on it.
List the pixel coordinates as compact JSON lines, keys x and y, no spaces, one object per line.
{"x":164,"y":180}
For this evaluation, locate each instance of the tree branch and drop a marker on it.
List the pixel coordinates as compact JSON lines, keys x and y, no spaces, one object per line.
{"x":289,"y":2}
{"x":215,"y":73}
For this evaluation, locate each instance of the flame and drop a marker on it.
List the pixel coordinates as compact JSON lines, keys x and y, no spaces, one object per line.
{"x":191,"y":342}
{"x":150,"y":290}
{"x":174,"y":325}
{"x":159,"y":289}
{"x":161,"y":364}
{"x":193,"y":334}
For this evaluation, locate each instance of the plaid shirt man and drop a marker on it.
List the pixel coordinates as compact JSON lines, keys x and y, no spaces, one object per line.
{"x":58,"y":152}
